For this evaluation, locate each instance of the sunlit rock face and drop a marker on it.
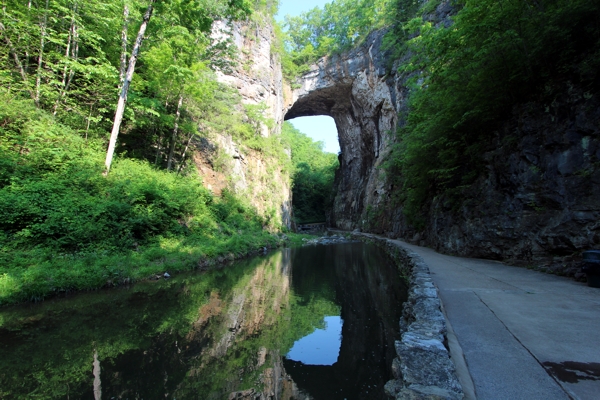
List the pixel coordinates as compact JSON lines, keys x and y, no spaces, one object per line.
{"x":221,"y":161}
{"x":357,"y":92}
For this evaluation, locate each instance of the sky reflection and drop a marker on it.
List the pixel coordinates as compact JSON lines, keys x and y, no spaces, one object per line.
{"x":322,"y":347}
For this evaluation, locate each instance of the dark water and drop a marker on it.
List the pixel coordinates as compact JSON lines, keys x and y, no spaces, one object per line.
{"x":263,"y":328}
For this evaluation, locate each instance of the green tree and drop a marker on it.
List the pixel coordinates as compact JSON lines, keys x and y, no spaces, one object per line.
{"x":338,"y":26}
{"x":313,"y":175}
{"x":467,"y":78}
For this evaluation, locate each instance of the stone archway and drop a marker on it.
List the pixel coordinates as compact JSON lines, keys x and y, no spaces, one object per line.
{"x":356,"y":90}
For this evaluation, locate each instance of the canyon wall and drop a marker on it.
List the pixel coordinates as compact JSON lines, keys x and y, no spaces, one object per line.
{"x":536,"y":202}
{"x":357,"y":92}
{"x":225,"y":163}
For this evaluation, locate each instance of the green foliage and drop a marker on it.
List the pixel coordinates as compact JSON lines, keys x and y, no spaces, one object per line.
{"x":467,"y":78}
{"x":65,"y":226}
{"x":313,"y":176}
{"x":338,"y":26}
{"x":66,"y":56}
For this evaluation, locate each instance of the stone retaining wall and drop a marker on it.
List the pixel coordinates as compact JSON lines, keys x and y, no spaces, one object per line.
{"x":423,"y":368}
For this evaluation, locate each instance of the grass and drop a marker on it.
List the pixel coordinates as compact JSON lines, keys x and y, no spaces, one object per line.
{"x":35,"y":274}
{"x":65,"y":227}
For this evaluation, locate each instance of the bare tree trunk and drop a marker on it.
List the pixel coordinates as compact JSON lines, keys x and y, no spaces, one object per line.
{"x":185,"y":151}
{"x":74,"y":55}
{"x":87,"y":128}
{"x":175,"y":129}
{"x":38,"y":81}
{"x":17,"y":60}
{"x":125,"y":88}
{"x":27,"y":44}
{"x":160,"y":136}
{"x":97,"y":382}
{"x":158,"y":149}
{"x":124,"y":45}
{"x":65,"y":69}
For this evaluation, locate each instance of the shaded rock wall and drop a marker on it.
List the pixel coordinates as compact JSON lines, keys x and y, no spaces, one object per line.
{"x":540,"y":196}
{"x":537,"y":201}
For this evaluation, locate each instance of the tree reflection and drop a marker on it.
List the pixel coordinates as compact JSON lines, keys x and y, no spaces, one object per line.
{"x":214,"y":335}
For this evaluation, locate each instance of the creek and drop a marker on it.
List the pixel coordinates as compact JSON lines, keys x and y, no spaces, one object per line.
{"x":317,"y":322}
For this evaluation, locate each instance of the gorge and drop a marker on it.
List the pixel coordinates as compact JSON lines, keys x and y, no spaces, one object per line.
{"x":470,"y":127}
{"x":535,"y":201}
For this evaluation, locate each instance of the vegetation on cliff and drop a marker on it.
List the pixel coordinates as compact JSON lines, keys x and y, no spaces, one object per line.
{"x":468,"y":75}
{"x":63,"y":225}
{"x":468,"y":64}
{"x":340,"y":25}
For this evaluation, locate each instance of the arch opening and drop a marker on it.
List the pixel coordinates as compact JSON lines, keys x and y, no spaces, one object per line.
{"x":314,"y":151}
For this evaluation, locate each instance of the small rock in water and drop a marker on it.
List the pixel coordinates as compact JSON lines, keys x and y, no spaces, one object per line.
{"x":166,"y":275}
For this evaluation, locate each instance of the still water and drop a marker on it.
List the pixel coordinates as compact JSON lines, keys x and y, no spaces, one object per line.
{"x":309,"y":323}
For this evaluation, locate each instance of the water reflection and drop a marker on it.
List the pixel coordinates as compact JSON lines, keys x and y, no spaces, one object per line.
{"x":221,"y":334}
{"x":321,"y":347}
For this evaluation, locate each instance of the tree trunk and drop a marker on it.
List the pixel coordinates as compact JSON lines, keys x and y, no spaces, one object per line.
{"x":158,"y":149}
{"x":74,"y":55}
{"x":174,"y":137}
{"x":17,"y":60}
{"x":63,"y":83}
{"x":124,"y":45}
{"x":38,"y":81}
{"x":125,"y":88}
{"x":185,"y":151}
{"x":96,"y":371}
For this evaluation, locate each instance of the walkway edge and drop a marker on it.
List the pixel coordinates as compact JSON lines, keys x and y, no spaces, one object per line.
{"x":458,"y":357}
{"x":430,"y":364}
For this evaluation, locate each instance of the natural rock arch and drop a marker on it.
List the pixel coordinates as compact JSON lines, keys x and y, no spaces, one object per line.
{"x":356,"y":90}
{"x":536,"y":198}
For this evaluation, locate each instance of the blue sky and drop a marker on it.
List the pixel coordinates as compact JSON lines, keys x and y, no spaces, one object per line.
{"x":296,"y":7}
{"x":319,"y":128}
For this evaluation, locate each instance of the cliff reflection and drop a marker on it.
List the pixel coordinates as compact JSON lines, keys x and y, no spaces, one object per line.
{"x":366,"y":285}
{"x":215,"y":335}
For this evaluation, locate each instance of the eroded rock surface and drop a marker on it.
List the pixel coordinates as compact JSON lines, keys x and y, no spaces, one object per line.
{"x":224,"y":163}
{"x":536,"y":201}
{"x":355,"y":90}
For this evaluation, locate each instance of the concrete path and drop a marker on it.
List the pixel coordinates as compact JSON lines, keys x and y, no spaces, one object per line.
{"x":524,"y":334}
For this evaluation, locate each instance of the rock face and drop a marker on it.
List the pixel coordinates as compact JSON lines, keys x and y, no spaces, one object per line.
{"x":355,"y":90}
{"x":536,"y":202}
{"x":540,"y":196}
{"x":222,"y":162}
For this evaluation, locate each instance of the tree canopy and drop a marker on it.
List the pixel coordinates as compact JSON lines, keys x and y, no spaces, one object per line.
{"x":338,"y":26}
{"x":467,"y":77}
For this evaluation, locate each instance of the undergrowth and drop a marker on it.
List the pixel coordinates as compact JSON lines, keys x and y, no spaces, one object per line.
{"x":66,"y":227}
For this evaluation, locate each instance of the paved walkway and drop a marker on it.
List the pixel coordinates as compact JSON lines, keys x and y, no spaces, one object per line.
{"x":524,"y":334}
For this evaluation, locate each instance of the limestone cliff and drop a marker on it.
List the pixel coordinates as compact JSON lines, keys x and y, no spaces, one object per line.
{"x":537,"y":200}
{"x":355,"y":90}
{"x":225,"y":163}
